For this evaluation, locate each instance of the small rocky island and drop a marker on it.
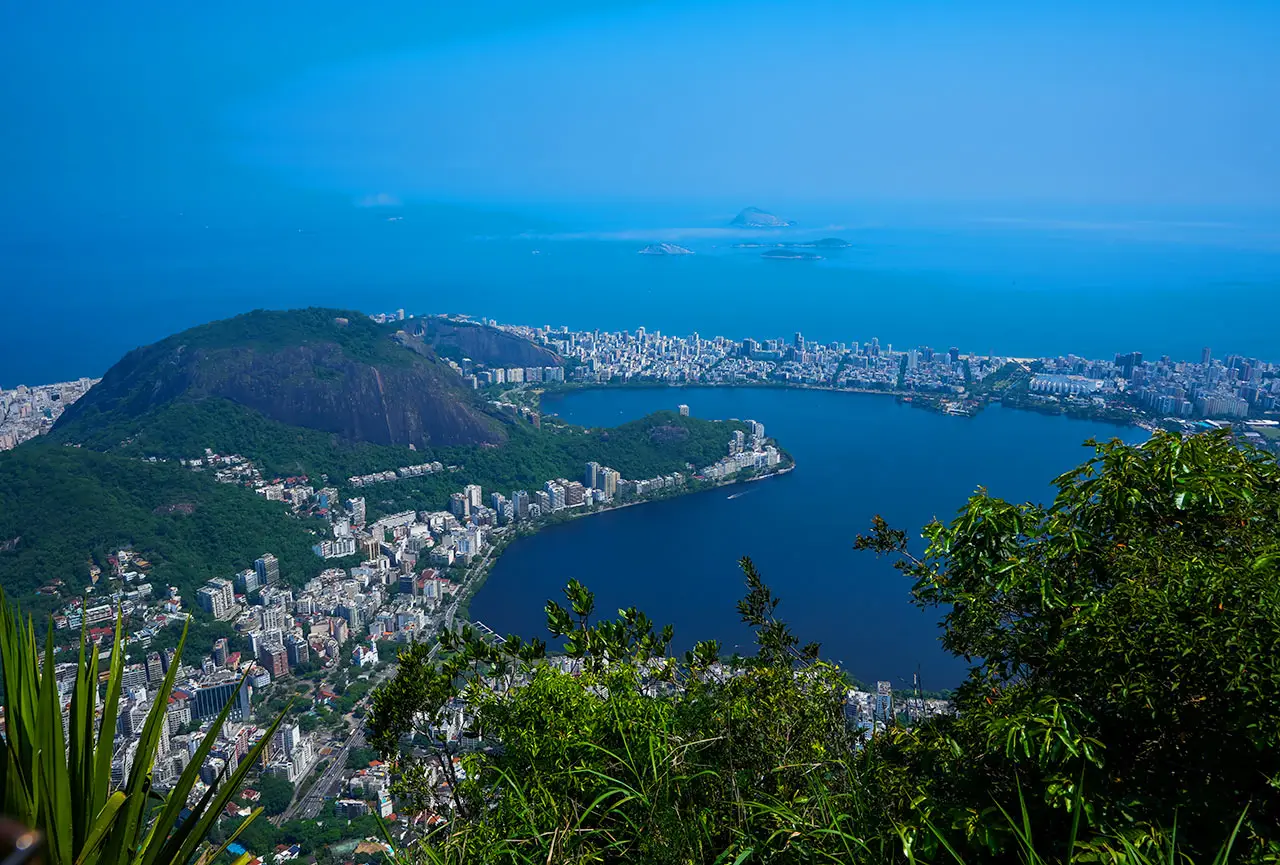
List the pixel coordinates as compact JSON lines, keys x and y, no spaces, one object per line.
{"x":665,"y":249}
{"x":754,"y":217}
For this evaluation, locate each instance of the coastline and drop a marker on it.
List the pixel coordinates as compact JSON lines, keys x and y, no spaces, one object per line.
{"x":473,"y":582}
{"x":925,"y":401}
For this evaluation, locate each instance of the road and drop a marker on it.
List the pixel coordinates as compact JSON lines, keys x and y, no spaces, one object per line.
{"x":309,"y":806}
{"x":465,"y":589}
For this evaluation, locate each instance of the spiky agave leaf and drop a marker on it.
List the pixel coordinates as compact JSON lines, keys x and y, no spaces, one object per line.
{"x":59,"y":780}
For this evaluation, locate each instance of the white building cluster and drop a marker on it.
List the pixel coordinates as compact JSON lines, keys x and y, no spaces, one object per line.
{"x":26,"y":412}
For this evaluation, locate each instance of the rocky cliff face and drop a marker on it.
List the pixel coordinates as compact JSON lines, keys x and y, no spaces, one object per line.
{"x":320,"y":369}
{"x":483,"y":344}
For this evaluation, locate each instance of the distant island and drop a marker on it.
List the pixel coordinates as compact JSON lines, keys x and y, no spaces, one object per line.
{"x":824,"y":243}
{"x":788,"y":255}
{"x":665,"y":249}
{"x":754,"y":217}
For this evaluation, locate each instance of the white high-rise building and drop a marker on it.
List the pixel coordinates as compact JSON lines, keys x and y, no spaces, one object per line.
{"x":218,"y":598}
{"x":356,"y":508}
{"x":609,"y":484}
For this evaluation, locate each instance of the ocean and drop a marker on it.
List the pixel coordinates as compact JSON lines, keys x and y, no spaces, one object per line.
{"x":856,"y":456}
{"x":80,"y":293}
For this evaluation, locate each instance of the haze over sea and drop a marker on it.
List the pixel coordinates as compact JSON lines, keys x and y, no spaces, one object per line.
{"x":1020,"y":282}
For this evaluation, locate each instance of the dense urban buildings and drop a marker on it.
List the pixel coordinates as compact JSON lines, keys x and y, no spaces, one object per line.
{"x":1233,"y":386}
{"x":26,"y":412}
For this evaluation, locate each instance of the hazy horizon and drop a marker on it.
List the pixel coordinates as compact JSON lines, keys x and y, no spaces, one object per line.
{"x":170,"y":165}
{"x":159,"y":108}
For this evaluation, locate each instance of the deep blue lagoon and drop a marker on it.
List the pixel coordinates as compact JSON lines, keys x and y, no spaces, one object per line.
{"x":856,"y":456}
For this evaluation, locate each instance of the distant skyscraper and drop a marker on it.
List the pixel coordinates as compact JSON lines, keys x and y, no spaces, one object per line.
{"x":1205,"y":356}
{"x":349,"y":612}
{"x":610,"y":486}
{"x":208,"y":700}
{"x":356,"y":507}
{"x":297,"y":651}
{"x":884,"y":702}
{"x":473,"y":494}
{"x":1128,"y":363}
{"x":520,"y":503}
{"x":460,"y":505}
{"x":275,"y":659}
{"x":592,"y":478}
{"x":217,"y":597}
{"x":247,"y":581}
{"x":954,"y":353}
{"x":799,"y":342}
{"x":268,"y":569}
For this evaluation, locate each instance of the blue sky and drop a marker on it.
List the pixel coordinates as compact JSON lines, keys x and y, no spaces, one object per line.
{"x":152,"y":106}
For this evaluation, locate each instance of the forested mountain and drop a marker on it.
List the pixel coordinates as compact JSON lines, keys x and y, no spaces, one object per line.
{"x":327,"y":370}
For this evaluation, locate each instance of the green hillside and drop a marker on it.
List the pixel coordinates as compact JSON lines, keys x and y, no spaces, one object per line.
{"x":328,"y":370}
{"x":63,"y":508}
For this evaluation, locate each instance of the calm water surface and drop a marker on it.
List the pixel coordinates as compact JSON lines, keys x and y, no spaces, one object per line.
{"x":856,"y":456}
{"x":84,"y":295}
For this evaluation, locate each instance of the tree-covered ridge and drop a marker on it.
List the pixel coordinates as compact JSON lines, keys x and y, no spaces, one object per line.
{"x":529,"y":457}
{"x":1123,"y":701}
{"x":327,"y":370}
{"x":62,"y":509}
{"x":359,"y":337}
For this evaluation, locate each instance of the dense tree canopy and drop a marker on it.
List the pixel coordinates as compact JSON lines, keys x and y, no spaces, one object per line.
{"x":276,"y":793}
{"x":1124,"y":641}
{"x":63,"y":508}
